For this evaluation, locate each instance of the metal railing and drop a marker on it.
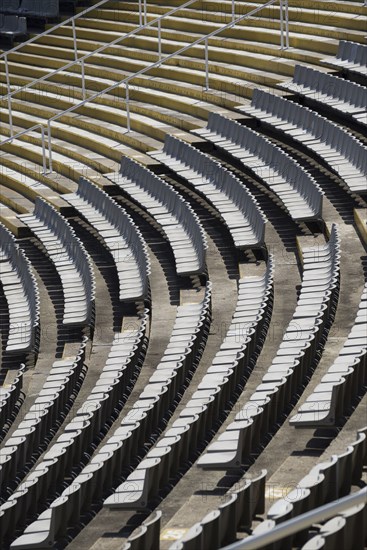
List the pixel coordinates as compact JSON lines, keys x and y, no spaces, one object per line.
{"x":81,"y":60}
{"x":303,"y":521}
{"x":284,"y":43}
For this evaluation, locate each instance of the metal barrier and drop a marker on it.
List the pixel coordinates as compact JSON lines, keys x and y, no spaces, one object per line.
{"x":296,"y":524}
{"x":81,"y":60}
{"x":284,"y":43}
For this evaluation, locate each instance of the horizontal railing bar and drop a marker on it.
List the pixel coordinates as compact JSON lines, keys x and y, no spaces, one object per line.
{"x":95,"y":52}
{"x":294,"y":525}
{"x":138,"y":73}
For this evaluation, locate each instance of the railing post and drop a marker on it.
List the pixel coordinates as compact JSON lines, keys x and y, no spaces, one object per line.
{"x":74,"y":40}
{"x":287,"y":24}
{"x":206,"y":65}
{"x":9,"y":97}
{"x":43,"y":151}
{"x":140,"y":14}
{"x":159,"y":41}
{"x":83,"y":78}
{"x":145,"y":12}
{"x":127,"y":101}
{"x":281,"y":16}
{"x":233,"y":11}
{"x":49,"y":147}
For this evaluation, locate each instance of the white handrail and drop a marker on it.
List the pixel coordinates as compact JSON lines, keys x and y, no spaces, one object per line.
{"x":142,"y":71}
{"x":298,"y":523}
{"x":82,"y":59}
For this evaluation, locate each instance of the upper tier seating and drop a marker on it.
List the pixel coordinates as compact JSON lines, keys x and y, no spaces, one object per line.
{"x":70,"y":258}
{"x":298,"y":191}
{"x":289,"y":367}
{"x":345,"y":155}
{"x":121,"y":237}
{"x":21,"y":293}
{"x":13,"y":27}
{"x":343,"y":381}
{"x":178,"y":220}
{"x":40,"y":9}
{"x":236,"y":205}
{"x":342,"y":95}
{"x":351,"y":57}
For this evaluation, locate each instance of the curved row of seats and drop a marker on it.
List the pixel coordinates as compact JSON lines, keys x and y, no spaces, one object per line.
{"x":341,"y":95}
{"x":216,"y":392}
{"x":236,"y":205}
{"x":343,"y":381}
{"x":41,"y":420}
{"x":345,"y":155}
{"x":219,"y":527}
{"x":9,"y":397}
{"x":121,"y":236}
{"x":350,"y":57}
{"x":159,"y":397}
{"x":21,"y":293}
{"x":179,"y":222}
{"x":298,"y":191}
{"x":295,"y":356}
{"x":76,"y":442}
{"x":70,"y":259}
{"x":326,"y":482}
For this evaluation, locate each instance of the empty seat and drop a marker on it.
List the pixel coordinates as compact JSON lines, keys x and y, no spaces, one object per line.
{"x":238,"y":208}
{"x":13,"y":27}
{"x":289,"y":367}
{"x":21,"y":293}
{"x":339,"y":149}
{"x":40,"y":9}
{"x":214,"y":393}
{"x":337,"y":93}
{"x":219,"y":527}
{"x":179,"y":222}
{"x":298,"y":191}
{"x":70,"y":259}
{"x":121,"y":237}
{"x":350,"y":57}
{"x":339,"y":386}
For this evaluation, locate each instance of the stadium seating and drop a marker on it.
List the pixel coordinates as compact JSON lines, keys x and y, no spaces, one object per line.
{"x":193,"y":280}
{"x":345,"y":155}
{"x":121,"y":236}
{"x":179,"y":222}
{"x":9,"y":397}
{"x":13,"y":27}
{"x":296,"y":189}
{"x":239,"y":210}
{"x":22,"y":296}
{"x":327,"y":90}
{"x":69,"y":258}
{"x":350,"y":57}
{"x":343,"y":381}
{"x":289,"y":367}
{"x":219,"y":527}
